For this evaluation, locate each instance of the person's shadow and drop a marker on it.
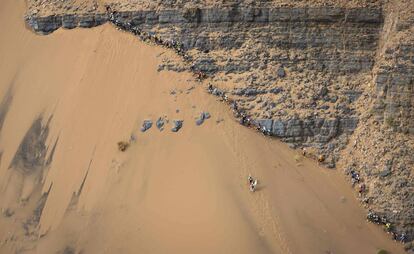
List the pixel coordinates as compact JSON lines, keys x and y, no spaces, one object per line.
{"x":260,"y":187}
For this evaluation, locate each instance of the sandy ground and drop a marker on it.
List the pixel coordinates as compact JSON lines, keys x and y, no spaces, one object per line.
{"x":182,"y":192}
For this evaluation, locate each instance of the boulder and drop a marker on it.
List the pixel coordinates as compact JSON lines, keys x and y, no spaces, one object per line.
{"x":203,"y":116}
{"x":160,"y":123}
{"x":177,"y":125}
{"x":281,"y":72}
{"x":147,"y":124}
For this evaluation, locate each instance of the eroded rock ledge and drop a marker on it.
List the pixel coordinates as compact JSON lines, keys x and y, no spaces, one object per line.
{"x":48,"y":24}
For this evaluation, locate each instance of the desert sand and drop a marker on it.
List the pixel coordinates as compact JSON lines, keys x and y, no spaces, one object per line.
{"x":183,"y":192}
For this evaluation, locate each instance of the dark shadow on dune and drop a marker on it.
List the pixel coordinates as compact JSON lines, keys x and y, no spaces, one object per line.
{"x":30,"y":226}
{"x":5,"y":105}
{"x":260,"y":187}
{"x":49,"y":159}
{"x":31,"y":154}
{"x":75,"y":195}
{"x":67,"y":250}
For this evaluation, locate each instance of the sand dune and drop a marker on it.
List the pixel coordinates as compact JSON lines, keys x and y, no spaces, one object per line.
{"x":71,"y":96}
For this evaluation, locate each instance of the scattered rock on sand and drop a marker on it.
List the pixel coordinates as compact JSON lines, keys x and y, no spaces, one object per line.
{"x":177,"y":124}
{"x":132,"y":138}
{"x":8,"y":212}
{"x":203,"y":116}
{"x":69,"y":250}
{"x":160,"y":123}
{"x":122,"y":146}
{"x":147,"y":124}
{"x":219,"y":120}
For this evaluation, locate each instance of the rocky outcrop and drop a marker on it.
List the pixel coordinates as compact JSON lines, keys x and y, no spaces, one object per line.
{"x":313,"y":131}
{"x":394,"y":70}
{"x":395,"y":88}
{"x":381,"y":148}
{"x":384,"y":162}
{"x":48,"y":24}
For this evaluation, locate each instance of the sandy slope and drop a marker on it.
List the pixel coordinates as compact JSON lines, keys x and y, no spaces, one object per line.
{"x":169,"y":192}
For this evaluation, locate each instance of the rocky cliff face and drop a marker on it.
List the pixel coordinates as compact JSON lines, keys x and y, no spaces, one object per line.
{"x":263,"y":41}
{"x":302,"y":74}
{"x":382,"y":146}
{"x":394,"y":80}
